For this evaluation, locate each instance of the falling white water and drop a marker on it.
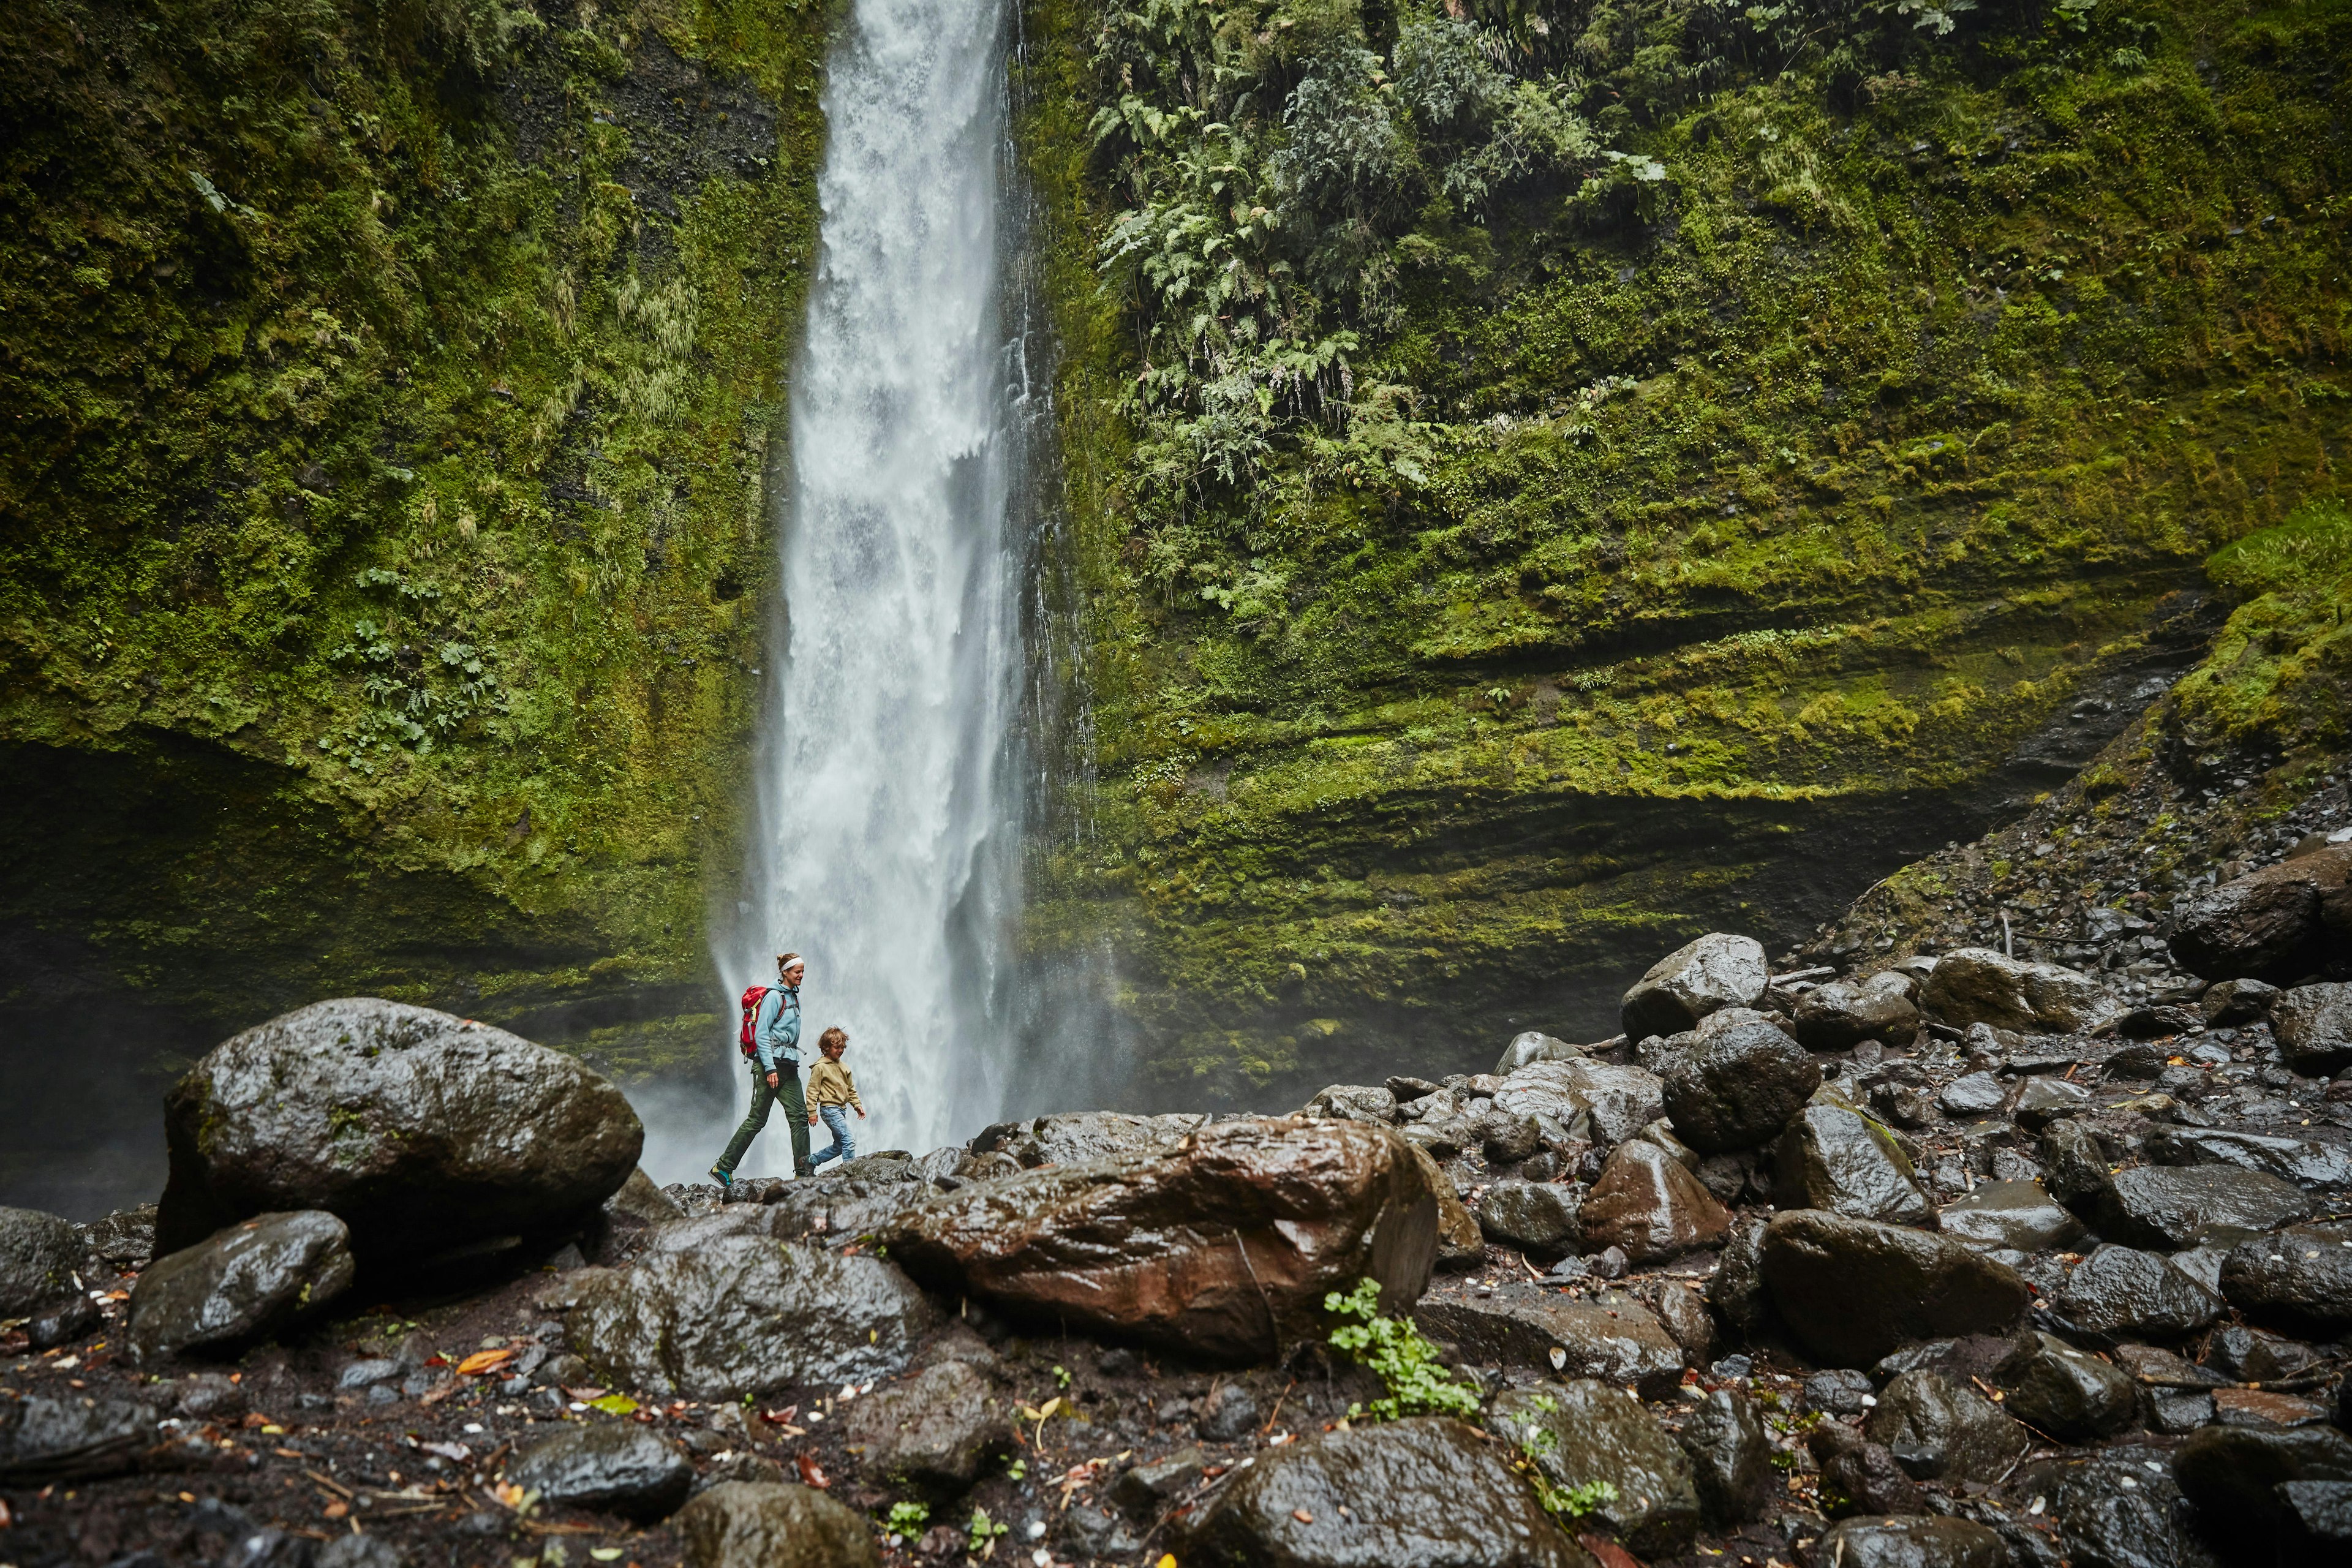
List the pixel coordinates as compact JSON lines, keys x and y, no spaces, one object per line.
{"x":884,"y":845}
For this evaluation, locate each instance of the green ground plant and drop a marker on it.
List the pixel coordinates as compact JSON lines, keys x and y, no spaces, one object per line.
{"x":1400,"y":1355}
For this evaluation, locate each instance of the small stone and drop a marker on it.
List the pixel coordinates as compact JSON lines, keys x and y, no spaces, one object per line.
{"x":614,"y":1466}
{"x":1840,"y":1391}
{"x":1911,"y":1543}
{"x":935,"y":1429}
{"x":1859,"y":1477}
{"x":1716,"y":971}
{"x":1229,"y":1415}
{"x":2263,"y":1407}
{"x":1611,"y":1337}
{"x":2076,"y":1169}
{"x":1978,"y":1094}
{"x":2252,"y":1355}
{"x":43,"y":1441}
{"x":1976,"y":985}
{"x":1650,"y":1206}
{"x":2299,"y":1279}
{"x":2016,"y":1214}
{"x":1738,"y":1088}
{"x":1685,"y":1316}
{"x":1835,"y":1159}
{"x":1939,"y":1430}
{"x":2068,"y":1394}
{"x":744,"y":1524}
{"x":1542,"y":1218}
{"x":1354,"y":1103}
{"x":2044,"y":1100}
{"x":1730,"y":1457}
{"x":2314,"y":1026}
{"x":1737,"y":1292}
{"x":2237,"y":1002}
{"x":367,"y":1373}
{"x":2124,"y":1292}
{"x":251,"y":1280}
{"x":1523,"y":1051}
{"x":39,"y":1253}
{"x":1146,"y":1490}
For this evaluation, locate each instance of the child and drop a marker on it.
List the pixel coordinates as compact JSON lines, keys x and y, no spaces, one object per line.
{"x":830,"y":1089}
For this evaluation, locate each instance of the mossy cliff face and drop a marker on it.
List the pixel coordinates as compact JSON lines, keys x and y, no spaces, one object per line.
{"x":390,"y":394}
{"x":1555,"y":482}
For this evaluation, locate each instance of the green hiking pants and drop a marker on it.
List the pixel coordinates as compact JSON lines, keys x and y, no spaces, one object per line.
{"x":787,"y":1093}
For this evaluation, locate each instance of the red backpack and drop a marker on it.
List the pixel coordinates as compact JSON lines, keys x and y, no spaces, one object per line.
{"x":752,"y":996}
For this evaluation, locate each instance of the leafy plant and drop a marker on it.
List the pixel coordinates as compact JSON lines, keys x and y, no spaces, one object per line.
{"x":1400,"y":1355}
{"x":908,"y":1519}
{"x":983,"y":1532}
{"x":1573,"y":1502}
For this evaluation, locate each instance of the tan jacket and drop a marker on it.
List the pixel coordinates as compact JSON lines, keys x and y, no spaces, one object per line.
{"x":830,"y":1084}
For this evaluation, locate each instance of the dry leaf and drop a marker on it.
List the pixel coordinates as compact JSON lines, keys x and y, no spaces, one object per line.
{"x":482,"y":1362}
{"x":807,"y":1466}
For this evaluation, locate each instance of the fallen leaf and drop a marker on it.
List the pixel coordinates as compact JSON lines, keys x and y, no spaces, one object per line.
{"x":606,"y":1553}
{"x":584,"y":1394}
{"x":338,"y":1508}
{"x":807,"y":1466}
{"x":1302,"y":1515}
{"x":613,"y":1404}
{"x":455,"y":1453}
{"x":481,"y":1361}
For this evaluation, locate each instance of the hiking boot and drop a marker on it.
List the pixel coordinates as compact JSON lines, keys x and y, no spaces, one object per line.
{"x":724,"y":1177}
{"x":804,"y":1171}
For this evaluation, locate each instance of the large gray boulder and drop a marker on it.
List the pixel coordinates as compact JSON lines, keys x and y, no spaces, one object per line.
{"x":43,"y":1440}
{"x":2232,"y":1475}
{"x":2313,"y":1025}
{"x":424,"y":1133}
{"x":1738,"y":1088}
{"x":2305,"y":1161}
{"x":39,"y":1253}
{"x":932,"y":1431}
{"x":1730,"y":1456}
{"x":2016,"y":1214}
{"x":1716,"y":971}
{"x":1853,"y":1289}
{"x":1839,"y":1160}
{"x":718,"y":1307}
{"x":1577,"y":1099}
{"x":1583,"y":1431}
{"x":2068,"y":1394}
{"x":1223,"y":1245}
{"x":251,"y":1280}
{"x":616,"y":1467}
{"x":1978,"y":985}
{"x":1543,"y":1219}
{"x":1426,"y":1492}
{"x":752,"y":1524}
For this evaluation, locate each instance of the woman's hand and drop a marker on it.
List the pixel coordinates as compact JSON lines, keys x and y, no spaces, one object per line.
{"x":772,"y":1080}
{"x":812,"y":1119}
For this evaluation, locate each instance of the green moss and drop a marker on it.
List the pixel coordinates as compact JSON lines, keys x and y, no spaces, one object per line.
{"x":1682,"y":558}
{"x":393,"y":388}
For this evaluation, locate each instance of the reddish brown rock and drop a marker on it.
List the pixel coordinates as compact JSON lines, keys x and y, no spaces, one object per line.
{"x":1224,"y":1245}
{"x":1648,"y":1203}
{"x":2277,"y":925}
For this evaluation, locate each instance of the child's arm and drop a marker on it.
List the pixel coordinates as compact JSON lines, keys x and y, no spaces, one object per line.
{"x":849,"y":1082}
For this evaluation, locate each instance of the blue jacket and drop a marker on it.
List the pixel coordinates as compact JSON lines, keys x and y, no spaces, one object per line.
{"x":776,"y":1033}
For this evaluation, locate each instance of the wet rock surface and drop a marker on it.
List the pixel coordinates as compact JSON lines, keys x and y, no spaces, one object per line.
{"x":424,"y":1133}
{"x":37,"y":1255}
{"x":1940,"y":1430}
{"x":1835,"y":1159}
{"x":615,"y":1469}
{"x":2232,"y":1475}
{"x":250,"y":1280}
{"x":740,"y":1524}
{"x":1853,"y":1289}
{"x":1225,"y":1246}
{"x":2069,"y":1393}
{"x":2018,"y":1215}
{"x":1612,"y":1337}
{"x":2123,"y":1291}
{"x":1584,"y":1431}
{"x":1730,"y":1457}
{"x":45,"y":1439}
{"x":1646,"y":1204}
{"x":1717,"y":970}
{"x":2314,"y":1026}
{"x":2299,"y":1279}
{"x":2173,"y":1207}
{"x":1913,"y":1542}
{"x":933,"y":1430}
{"x":1424,"y":1491}
{"x":1978,"y":985}
{"x":1542,"y":1219}
{"x":1839,"y":1015}
{"x":1737,"y":1089}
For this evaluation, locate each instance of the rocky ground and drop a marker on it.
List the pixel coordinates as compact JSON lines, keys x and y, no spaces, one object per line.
{"x":1914,"y":1252}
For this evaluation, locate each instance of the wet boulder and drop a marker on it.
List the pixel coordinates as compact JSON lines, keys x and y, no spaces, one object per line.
{"x":1354,"y":1103}
{"x":717,"y":1306}
{"x":1223,"y":1245}
{"x":1978,"y":985}
{"x":1911,"y":1542}
{"x":2122,"y":1292}
{"x":2299,"y":1279}
{"x":1529,"y":1048}
{"x":1611,"y":1337}
{"x":2232,"y":1475}
{"x":125,"y":1238}
{"x":2305,"y":1161}
{"x":1584,"y":1431}
{"x":1853,"y":1289}
{"x":1427,"y":1490}
{"x":2075,"y":1168}
{"x":2268,"y":924}
{"x":932,"y":1431}
{"x":2316,"y":1525}
{"x":1542,"y":1218}
{"x":2118,"y":1506}
{"x":43,"y":1441}
{"x":2068,"y":1394}
{"x":2168,"y":1207}
{"x":640,"y":1202}
{"x":1945,"y":1431}
{"x":1646,"y":1203}
{"x":1581,"y":1099}
{"x":2314,"y":1026}
{"x":835,"y":1207}
{"x":2045,"y":1098}
{"x":2235,"y":1001}
{"x":1730,"y":1457}
{"x":1840,"y":1015}
{"x":1859,"y":1477}
{"x":38,"y":1254}
{"x":1736,"y":1293}
{"x":1461,"y":1244}
{"x":1738,"y":1088}
{"x":424,"y":1133}
{"x":2018,"y":1216}
{"x":2253,"y":1355}
{"x":1976,"y":1094}
{"x":1715,"y":972}
{"x":1835,"y":1159}
{"x":1075,"y":1137}
{"x":616,"y":1467}
{"x":246,"y":1283}
{"x":750,"y":1524}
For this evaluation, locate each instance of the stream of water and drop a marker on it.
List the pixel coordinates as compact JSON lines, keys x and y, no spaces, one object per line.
{"x":886,"y":843}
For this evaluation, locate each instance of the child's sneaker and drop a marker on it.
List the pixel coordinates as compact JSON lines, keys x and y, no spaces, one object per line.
{"x":725,"y":1178}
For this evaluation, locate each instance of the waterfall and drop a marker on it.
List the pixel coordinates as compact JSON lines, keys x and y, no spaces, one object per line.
{"x":886,"y":838}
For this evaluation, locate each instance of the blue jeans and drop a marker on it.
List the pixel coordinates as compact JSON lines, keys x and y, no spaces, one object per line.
{"x":845,"y":1147}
